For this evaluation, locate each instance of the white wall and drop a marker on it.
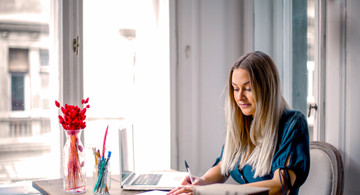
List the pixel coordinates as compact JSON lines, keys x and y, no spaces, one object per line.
{"x":342,"y":107}
{"x":352,"y":94}
{"x":209,"y":40}
{"x":202,"y":71}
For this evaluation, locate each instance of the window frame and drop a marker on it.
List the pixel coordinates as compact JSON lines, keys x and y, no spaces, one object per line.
{"x":319,"y":76}
{"x":283,"y":53}
{"x":72,"y":91}
{"x":71,"y":71}
{"x":68,"y":20}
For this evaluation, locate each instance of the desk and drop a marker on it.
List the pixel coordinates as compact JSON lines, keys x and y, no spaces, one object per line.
{"x":55,"y":186}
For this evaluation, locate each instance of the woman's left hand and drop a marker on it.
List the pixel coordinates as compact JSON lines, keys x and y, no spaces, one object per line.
{"x":183,"y":190}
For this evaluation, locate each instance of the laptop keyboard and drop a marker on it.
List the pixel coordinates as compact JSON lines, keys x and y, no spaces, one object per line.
{"x":147,"y":179}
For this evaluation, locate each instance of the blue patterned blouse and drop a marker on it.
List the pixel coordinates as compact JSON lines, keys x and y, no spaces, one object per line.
{"x":293,"y":140}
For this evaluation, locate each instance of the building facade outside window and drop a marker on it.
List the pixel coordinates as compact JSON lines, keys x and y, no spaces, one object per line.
{"x":28,"y":140}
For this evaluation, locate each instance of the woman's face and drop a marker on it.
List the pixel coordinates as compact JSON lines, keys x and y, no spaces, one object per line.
{"x":242,"y":91}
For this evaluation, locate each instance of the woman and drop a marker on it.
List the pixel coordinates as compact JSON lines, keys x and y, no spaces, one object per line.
{"x":267,"y":144}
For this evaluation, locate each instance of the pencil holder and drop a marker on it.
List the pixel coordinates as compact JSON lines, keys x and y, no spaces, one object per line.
{"x":102,"y":177}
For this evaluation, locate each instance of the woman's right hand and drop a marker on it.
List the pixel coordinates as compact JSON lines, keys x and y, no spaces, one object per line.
{"x":196,"y":180}
{"x":187,"y":186}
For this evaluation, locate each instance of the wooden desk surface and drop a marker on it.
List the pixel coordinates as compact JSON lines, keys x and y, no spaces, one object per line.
{"x":55,"y":186}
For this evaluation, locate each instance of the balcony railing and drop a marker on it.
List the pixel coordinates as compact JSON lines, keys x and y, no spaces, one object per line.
{"x":24,"y":127}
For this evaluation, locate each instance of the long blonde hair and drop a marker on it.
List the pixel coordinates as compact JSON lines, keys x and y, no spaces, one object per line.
{"x":254,"y":139}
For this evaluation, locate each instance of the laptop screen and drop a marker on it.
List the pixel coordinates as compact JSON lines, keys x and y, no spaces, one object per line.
{"x":126,"y":153}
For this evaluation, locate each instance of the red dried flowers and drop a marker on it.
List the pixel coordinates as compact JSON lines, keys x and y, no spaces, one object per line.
{"x":74,"y":117}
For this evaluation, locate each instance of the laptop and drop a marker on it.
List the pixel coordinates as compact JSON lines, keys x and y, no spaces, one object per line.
{"x":131,"y":180}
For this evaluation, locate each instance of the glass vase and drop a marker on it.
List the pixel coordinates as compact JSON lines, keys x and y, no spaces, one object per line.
{"x":74,"y":180}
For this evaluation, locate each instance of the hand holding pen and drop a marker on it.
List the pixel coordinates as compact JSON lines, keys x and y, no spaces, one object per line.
{"x":191,"y":180}
{"x":188,"y":170}
{"x":187,"y":185}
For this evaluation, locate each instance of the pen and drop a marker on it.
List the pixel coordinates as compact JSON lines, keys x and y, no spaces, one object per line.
{"x":188,"y":170}
{"x":101,"y":174}
{"x":105,"y":176}
{"x":102,"y":162}
{"x":94,"y":150}
{"x":106,"y":132}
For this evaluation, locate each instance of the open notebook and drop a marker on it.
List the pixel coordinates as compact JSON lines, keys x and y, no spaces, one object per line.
{"x":131,"y":180}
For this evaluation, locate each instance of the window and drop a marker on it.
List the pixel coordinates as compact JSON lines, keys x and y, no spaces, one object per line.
{"x":17,"y":91}
{"x":18,"y":66}
{"x":112,"y":75}
{"x":126,"y":77}
{"x":287,"y":31}
{"x":29,"y":138}
{"x":311,"y":65}
{"x":44,"y":57}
